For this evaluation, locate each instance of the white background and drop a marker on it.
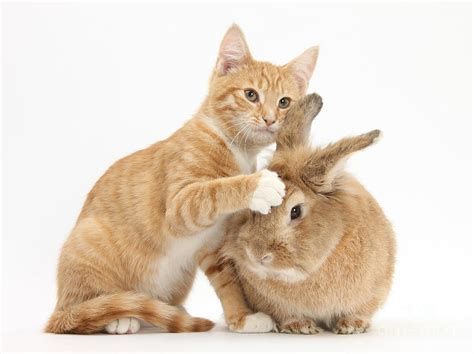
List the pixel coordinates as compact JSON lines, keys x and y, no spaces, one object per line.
{"x":86,"y":84}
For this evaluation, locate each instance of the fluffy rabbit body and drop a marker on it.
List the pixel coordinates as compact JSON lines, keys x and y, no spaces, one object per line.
{"x":325,"y":256}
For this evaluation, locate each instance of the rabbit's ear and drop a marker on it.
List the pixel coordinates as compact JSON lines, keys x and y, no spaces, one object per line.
{"x":296,"y":126}
{"x":325,"y":165}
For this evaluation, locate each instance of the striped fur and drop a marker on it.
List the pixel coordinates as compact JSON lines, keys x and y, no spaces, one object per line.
{"x":132,"y":252}
{"x":93,"y":315}
{"x":221,"y":274}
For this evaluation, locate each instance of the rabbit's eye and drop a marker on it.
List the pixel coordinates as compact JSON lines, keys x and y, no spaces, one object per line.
{"x":295,"y":212}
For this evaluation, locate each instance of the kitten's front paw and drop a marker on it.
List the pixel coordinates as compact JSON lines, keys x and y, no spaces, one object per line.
{"x":255,"y":323}
{"x":304,"y":326}
{"x":269,"y":192}
{"x":125,"y":325}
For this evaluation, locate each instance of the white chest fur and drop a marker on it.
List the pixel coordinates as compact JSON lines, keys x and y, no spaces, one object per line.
{"x":168,"y":271}
{"x":245,"y":161}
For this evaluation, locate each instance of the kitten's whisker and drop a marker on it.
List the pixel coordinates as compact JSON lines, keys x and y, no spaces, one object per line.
{"x":245,"y":125}
{"x":232,"y":124}
{"x":239,"y":132}
{"x":247,"y":134}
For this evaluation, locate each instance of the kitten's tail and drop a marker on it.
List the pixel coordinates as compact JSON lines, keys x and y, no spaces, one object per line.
{"x":93,"y":315}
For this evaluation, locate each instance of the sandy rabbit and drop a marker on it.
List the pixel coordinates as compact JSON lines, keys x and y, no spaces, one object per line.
{"x":324,"y":257}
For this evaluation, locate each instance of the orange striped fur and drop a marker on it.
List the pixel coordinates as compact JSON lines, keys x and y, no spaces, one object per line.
{"x":133,"y":251}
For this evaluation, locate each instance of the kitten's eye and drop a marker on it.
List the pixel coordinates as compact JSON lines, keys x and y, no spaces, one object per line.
{"x":295,"y":212}
{"x":284,"y":102}
{"x":251,"y":95}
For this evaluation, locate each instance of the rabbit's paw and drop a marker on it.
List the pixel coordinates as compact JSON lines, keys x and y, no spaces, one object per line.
{"x":349,"y":325}
{"x":304,"y":326}
{"x":255,"y":323}
{"x":269,"y":192}
{"x":125,"y":325}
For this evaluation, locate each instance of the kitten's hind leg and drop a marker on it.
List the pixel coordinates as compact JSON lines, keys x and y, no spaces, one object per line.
{"x":125,"y":325}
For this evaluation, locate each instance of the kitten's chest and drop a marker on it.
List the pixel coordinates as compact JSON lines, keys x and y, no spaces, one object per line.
{"x":172,"y":272}
{"x":246,"y":162}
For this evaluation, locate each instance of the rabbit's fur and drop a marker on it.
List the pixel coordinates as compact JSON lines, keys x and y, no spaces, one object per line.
{"x":333,"y":265}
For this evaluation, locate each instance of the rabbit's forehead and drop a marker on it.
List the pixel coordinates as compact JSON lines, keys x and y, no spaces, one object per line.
{"x":294,"y":196}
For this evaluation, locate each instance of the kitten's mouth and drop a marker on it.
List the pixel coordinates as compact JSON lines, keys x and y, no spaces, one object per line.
{"x":266,"y":130}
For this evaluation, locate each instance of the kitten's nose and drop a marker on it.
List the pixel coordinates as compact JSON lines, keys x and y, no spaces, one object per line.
{"x":267,"y":258}
{"x":268,"y":121}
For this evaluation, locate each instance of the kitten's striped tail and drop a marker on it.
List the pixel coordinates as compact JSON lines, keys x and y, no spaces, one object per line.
{"x":93,"y":315}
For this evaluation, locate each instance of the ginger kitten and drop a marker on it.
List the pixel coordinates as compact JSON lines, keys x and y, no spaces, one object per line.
{"x":134,"y":250}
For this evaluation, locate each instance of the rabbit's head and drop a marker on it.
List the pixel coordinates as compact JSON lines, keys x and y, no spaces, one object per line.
{"x":296,"y":237}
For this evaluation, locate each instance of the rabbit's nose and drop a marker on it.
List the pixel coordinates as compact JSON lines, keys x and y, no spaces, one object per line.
{"x":267,"y":258}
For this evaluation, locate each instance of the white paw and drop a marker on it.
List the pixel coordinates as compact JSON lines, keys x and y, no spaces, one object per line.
{"x":257,"y":323}
{"x":269,"y":192}
{"x":125,"y":325}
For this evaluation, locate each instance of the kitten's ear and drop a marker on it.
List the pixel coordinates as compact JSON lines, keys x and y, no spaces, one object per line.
{"x":233,"y":51}
{"x":322,"y":170}
{"x":303,"y":66}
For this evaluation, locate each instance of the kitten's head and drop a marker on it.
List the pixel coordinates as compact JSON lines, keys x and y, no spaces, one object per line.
{"x":250,"y":98}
